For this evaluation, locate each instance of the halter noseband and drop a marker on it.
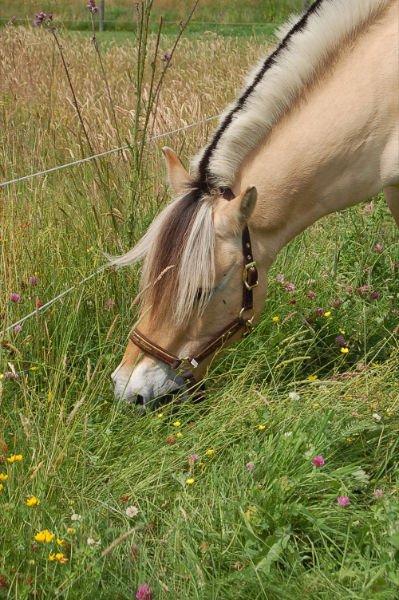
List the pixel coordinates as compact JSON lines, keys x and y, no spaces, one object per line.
{"x":249,"y":281}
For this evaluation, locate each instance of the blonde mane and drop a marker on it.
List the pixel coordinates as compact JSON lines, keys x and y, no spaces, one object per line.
{"x":178,"y":248}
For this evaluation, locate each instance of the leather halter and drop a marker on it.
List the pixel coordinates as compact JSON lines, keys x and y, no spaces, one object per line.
{"x":249,"y":281}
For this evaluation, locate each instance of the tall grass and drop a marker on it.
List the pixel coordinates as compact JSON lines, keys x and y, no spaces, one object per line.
{"x":270,"y":530}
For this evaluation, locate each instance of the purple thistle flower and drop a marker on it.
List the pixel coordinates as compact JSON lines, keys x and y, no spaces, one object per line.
{"x":109,"y":304}
{"x":336,"y":303}
{"x":378,"y":248}
{"x":318,"y":461}
{"x":41,"y":18}
{"x":375,"y":296}
{"x":166,"y":57}
{"x":289,"y":287}
{"x":33,"y":280}
{"x":280,"y":278}
{"x":320,"y":311}
{"x":144,"y":592}
{"x":14,"y":297}
{"x":17,"y":328}
{"x":378,"y":494}
{"x":250,"y":466}
{"x":91,"y":6}
{"x":341,"y":341}
{"x":363,"y":289}
{"x":343,"y":501}
{"x":311,"y":295}
{"x":193,"y":458}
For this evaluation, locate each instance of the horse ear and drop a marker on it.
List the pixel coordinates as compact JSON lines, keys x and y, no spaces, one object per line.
{"x":242,"y":206}
{"x":179,"y":179}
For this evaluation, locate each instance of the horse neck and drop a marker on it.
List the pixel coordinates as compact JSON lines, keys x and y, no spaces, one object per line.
{"x":328,"y":152}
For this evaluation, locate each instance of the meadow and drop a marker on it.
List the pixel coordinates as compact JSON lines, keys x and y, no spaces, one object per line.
{"x":283,"y":482}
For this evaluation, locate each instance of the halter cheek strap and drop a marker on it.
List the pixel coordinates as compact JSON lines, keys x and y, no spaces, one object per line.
{"x":249,"y":281}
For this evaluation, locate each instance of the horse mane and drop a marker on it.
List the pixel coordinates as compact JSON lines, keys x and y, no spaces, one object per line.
{"x":178,"y":248}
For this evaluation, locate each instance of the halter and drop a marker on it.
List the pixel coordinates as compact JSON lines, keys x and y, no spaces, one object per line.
{"x":249,"y":281}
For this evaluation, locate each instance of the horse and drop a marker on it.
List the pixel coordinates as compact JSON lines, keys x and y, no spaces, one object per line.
{"x":315,"y":130}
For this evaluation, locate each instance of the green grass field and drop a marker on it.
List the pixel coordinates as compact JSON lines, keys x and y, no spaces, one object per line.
{"x":249,"y":516}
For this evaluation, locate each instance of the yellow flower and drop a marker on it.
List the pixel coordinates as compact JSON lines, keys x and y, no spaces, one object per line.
{"x":44,"y":536}
{"x":176,"y":424}
{"x":3,"y":476}
{"x":190,"y":481}
{"x":261,"y":427}
{"x":344,"y":350}
{"x":160,"y":415}
{"x":71,"y":530}
{"x":276,"y":319}
{"x":60,"y":542}
{"x":209,"y":452}
{"x":1,"y":487}
{"x":15,"y":458}
{"x":179,"y":434}
{"x":342,"y":332}
{"x":327,"y":314}
{"x":312,"y":377}
{"x":57,"y":557}
{"x":250,"y":512}
{"x":32,"y":501}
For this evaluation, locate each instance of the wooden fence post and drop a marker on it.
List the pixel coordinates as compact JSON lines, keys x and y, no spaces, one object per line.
{"x":101,"y":15}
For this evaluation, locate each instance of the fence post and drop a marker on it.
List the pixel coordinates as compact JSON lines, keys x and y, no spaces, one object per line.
{"x":101,"y":15}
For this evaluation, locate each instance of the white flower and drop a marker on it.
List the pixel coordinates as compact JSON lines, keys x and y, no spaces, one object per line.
{"x":377,"y":417}
{"x":92,"y":542}
{"x":76,"y":517}
{"x":132,"y":511}
{"x":294,"y":396}
{"x":288,"y":434}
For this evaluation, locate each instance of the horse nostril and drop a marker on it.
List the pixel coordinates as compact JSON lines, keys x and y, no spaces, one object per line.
{"x":139,"y":400}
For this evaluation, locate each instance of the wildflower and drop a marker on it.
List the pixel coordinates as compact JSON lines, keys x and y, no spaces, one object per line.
{"x":92,"y":542}
{"x":341,"y":341}
{"x":60,"y":542}
{"x":276,"y":319}
{"x":170,"y":440}
{"x":336,"y":303}
{"x":144,"y":592}
{"x":312,"y":378}
{"x":377,"y":417}
{"x":109,"y":304}
{"x":363,"y":290}
{"x":311,"y":295}
{"x":58,"y":557}
{"x":327,"y":314}
{"x":159,"y":415}
{"x":91,"y":6}
{"x":280,"y":278}
{"x":44,"y":536}
{"x":179,"y":434}
{"x":1,"y":487}
{"x":250,"y":466}
{"x":76,"y":517}
{"x":17,"y":328}
{"x":378,"y":248}
{"x":192,"y":459}
{"x":176,"y":424}
{"x":190,"y":481}
{"x":250,"y":512}
{"x":3,"y":476}
{"x":14,"y":458}
{"x":343,"y":501}
{"x":14,"y":297}
{"x":294,"y":396}
{"x":32,"y":281}
{"x":32,"y":501}
{"x":290,"y":287}
{"x":131,"y":511}
{"x":41,"y":18}
{"x":166,"y":57}
{"x":378,"y":494}
{"x":261,"y":427}
{"x":210,"y":452}
{"x":318,"y":461}
{"x":345,"y":350}
{"x":319,"y":311}
{"x":375,"y":295}
{"x":71,"y":530}
{"x":38,"y":303}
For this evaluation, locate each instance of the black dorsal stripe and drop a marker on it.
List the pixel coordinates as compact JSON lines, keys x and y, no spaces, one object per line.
{"x":204,"y":175}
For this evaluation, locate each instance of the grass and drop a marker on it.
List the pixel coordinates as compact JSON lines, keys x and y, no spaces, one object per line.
{"x":275,"y":532}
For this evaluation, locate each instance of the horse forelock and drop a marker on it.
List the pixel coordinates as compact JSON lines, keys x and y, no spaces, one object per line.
{"x":180,"y":260}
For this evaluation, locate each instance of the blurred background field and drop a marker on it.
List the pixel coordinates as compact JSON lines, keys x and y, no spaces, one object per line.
{"x":259,"y":520}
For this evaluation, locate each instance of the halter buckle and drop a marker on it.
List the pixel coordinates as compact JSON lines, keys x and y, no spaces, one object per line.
{"x":190,"y":361}
{"x":247,"y":322}
{"x":250,"y":272}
